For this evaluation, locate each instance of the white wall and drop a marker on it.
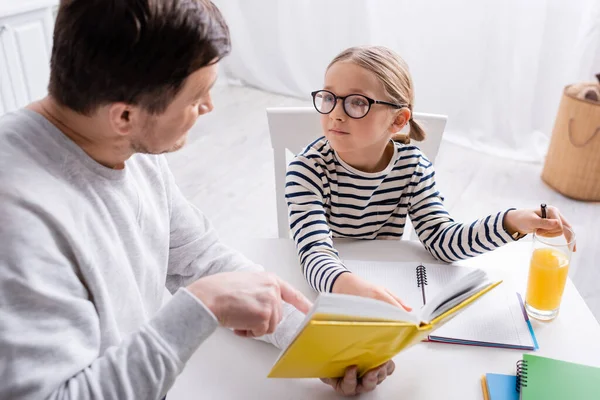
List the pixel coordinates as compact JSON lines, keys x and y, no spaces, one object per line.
{"x":496,"y":68}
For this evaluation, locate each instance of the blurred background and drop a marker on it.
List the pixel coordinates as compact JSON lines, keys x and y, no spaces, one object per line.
{"x":496,"y":68}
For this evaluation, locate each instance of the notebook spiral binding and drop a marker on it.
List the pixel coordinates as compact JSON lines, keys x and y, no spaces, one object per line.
{"x":421,"y":276}
{"x":521,"y":374}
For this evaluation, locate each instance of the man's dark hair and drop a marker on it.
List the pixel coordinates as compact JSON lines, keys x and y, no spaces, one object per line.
{"x":134,"y":51}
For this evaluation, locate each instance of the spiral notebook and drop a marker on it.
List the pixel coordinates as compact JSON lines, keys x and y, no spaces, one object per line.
{"x":498,"y":320}
{"x":550,"y":379}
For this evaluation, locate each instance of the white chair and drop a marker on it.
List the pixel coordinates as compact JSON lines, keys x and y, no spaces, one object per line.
{"x":293,"y":128}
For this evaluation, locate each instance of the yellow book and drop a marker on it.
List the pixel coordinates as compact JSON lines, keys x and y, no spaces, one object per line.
{"x":343,"y":330}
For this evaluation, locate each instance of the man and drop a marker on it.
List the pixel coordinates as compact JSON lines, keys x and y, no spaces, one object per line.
{"x":93,"y":226}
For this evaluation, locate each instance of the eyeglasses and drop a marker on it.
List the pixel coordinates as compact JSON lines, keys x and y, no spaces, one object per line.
{"x":355,"y":105}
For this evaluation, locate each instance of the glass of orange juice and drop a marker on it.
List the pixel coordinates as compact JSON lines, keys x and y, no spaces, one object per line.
{"x":548,"y":271}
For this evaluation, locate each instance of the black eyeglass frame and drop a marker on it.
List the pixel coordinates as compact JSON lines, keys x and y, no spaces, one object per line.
{"x":370,"y":101}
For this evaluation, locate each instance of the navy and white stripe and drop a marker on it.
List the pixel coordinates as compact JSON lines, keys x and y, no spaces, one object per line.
{"x":327,"y":198}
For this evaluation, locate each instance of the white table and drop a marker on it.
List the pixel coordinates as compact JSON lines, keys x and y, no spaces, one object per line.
{"x":229,"y":367}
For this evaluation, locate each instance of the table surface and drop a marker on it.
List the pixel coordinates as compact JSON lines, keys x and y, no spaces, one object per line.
{"x":230,"y":367}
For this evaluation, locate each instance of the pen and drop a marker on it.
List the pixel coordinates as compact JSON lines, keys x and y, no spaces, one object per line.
{"x":543,"y":207}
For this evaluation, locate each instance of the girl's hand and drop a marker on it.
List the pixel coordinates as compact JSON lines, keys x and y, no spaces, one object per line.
{"x":527,"y":221}
{"x":348,"y":283}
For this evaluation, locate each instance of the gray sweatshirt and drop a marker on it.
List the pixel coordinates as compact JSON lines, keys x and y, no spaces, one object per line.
{"x":85,"y":255}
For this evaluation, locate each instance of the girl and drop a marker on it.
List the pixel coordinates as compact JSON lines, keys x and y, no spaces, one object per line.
{"x":362,"y":181}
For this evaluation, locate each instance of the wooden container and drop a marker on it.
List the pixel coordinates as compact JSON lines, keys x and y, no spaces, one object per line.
{"x":572,"y":164}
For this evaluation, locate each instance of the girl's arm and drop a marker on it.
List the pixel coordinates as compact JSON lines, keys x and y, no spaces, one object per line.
{"x":304,"y":192}
{"x":444,"y":238}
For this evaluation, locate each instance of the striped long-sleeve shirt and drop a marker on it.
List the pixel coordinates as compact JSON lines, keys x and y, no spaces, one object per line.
{"x":328,"y":198}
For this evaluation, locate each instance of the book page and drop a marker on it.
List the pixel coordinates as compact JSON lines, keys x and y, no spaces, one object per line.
{"x":457,"y":292}
{"x":496,"y":318}
{"x":440,"y":275}
{"x":399,"y":278}
{"x":355,"y":308}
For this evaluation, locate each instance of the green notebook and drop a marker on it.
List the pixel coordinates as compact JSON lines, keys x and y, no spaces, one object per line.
{"x":541,"y":378}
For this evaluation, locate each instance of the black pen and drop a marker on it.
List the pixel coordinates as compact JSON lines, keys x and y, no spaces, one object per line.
{"x":543,"y":206}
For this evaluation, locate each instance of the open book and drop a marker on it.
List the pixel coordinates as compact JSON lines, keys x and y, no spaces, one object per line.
{"x":343,"y":330}
{"x":498,"y":320}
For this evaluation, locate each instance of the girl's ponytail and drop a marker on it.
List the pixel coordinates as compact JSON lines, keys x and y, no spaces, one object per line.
{"x":416,"y":132}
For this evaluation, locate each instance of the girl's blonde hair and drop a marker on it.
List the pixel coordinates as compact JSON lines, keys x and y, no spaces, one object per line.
{"x":393,"y":72}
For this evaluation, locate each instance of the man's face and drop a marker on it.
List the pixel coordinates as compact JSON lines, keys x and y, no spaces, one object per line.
{"x":167,"y":132}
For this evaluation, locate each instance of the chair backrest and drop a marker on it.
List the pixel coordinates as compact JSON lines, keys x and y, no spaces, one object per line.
{"x":293,"y":128}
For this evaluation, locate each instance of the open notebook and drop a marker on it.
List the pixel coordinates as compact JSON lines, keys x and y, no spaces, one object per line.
{"x":497,"y":320}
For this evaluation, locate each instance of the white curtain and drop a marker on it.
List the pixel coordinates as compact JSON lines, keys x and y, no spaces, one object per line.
{"x":496,"y":68}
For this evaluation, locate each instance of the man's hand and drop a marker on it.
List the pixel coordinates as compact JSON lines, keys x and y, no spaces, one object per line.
{"x":248,"y":302}
{"x":351,"y":384}
{"x":348,"y":283}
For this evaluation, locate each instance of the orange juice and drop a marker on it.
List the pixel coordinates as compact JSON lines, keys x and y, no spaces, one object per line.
{"x":547,"y":276}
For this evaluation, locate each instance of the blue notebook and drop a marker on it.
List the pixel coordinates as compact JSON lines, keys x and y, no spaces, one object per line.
{"x":501,"y":387}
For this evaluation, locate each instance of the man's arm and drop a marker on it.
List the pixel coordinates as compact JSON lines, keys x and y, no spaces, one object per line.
{"x":195,"y":251}
{"x":50,"y":330}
